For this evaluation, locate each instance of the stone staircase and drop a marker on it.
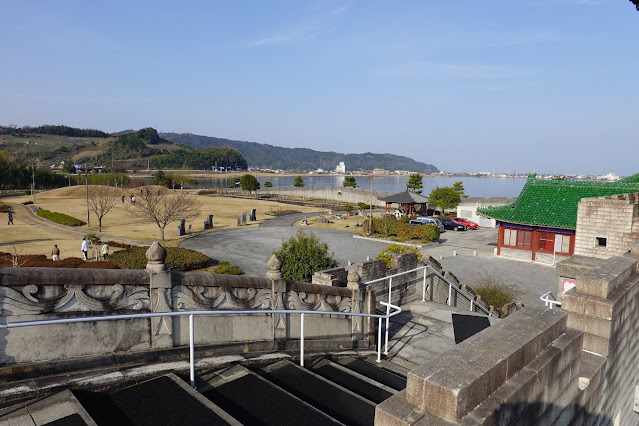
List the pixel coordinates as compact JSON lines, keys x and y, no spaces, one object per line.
{"x":331,"y":390}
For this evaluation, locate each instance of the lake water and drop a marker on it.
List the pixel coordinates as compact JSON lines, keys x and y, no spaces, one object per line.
{"x":474,"y":186}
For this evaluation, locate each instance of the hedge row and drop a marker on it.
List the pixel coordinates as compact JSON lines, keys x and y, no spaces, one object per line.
{"x":177,"y":259}
{"x":60,"y":218}
{"x":389,"y":226}
{"x":41,"y":261}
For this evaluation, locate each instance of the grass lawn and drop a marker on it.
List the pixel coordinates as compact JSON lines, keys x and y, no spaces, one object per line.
{"x":29,"y":237}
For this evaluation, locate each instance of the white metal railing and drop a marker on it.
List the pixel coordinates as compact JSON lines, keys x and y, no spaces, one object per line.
{"x":549,"y":303}
{"x":451,"y":287}
{"x":191,"y":314}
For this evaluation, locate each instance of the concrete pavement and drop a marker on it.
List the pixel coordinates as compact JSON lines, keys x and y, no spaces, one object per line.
{"x":249,"y":249}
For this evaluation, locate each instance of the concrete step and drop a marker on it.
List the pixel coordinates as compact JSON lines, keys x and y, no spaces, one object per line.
{"x":59,"y":409}
{"x":384,"y":372}
{"x":166,"y":400}
{"x":253,"y":400}
{"x":364,"y":386}
{"x":328,"y":397}
{"x":388,"y":365}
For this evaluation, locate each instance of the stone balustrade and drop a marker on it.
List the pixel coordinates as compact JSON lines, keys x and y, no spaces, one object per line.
{"x":46,"y":293}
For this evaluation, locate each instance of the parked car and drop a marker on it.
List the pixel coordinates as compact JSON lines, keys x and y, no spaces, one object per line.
{"x":466,"y":222}
{"x":431,"y":221}
{"x":455,"y":226}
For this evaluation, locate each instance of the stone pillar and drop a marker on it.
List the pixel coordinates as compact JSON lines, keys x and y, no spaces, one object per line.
{"x":278,"y":292}
{"x":160,"y":292}
{"x":357,"y":323}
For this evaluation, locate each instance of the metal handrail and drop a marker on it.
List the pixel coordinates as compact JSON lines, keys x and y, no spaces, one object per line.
{"x":549,"y":303}
{"x":450,"y":289}
{"x":191,"y":314}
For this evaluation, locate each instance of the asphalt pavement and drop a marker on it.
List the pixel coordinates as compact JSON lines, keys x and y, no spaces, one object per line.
{"x":249,"y":249}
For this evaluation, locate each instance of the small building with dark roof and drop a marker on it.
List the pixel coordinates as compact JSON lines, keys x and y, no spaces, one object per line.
{"x":406,"y":202}
{"x":540,"y":225}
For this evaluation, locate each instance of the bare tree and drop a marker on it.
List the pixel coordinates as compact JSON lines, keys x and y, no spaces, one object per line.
{"x":164,"y":206}
{"x":102,"y":199}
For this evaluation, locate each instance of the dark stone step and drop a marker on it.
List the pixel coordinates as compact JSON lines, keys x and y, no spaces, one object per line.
{"x":372,"y":391}
{"x":329,"y":398}
{"x":70,"y":420}
{"x":381,"y":375}
{"x":160,"y":401}
{"x":253,"y":401}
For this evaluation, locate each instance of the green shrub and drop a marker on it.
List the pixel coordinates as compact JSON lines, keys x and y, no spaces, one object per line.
{"x":60,"y":218}
{"x":98,"y":264}
{"x":495,"y":294}
{"x":363,"y":206}
{"x":392,"y":227}
{"x":393,"y":250}
{"x":177,"y":259}
{"x":302,"y":255}
{"x":348,"y":208}
{"x":494,"y":291}
{"x":225,"y":268}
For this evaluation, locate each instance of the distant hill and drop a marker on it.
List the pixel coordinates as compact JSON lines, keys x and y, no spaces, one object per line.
{"x":275,"y":157}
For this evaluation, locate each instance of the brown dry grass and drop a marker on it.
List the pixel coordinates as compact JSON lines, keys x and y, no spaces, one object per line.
{"x":29,"y":236}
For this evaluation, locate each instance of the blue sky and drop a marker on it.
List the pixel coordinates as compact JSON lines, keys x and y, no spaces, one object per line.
{"x":549,"y":86}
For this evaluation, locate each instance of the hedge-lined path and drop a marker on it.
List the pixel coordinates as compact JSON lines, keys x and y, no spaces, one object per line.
{"x":67,"y":238}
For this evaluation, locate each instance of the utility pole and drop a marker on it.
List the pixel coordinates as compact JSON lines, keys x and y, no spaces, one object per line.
{"x":370,"y":207}
{"x":86,"y":184}
{"x":33,"y":182}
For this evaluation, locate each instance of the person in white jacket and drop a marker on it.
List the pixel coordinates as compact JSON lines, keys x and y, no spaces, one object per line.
{"x":85,"y":247}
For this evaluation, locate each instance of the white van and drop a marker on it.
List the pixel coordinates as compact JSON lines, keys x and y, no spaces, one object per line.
{"x":422,"y":220}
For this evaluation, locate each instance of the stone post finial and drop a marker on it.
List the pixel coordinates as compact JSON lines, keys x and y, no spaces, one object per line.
{"x":274,"y":268}
{"x":155,"y":256}
{"x":353,"y":278}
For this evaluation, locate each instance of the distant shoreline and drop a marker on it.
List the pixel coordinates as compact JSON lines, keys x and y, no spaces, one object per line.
{"x":210,"y":175}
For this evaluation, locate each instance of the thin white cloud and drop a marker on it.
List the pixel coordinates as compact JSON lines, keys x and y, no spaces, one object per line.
{"x":282,"y":39}
{"x":433,"y":70}
{"x":304,"y":30}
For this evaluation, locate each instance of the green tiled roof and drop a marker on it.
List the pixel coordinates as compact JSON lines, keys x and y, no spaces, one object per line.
{"x":553,"y":203}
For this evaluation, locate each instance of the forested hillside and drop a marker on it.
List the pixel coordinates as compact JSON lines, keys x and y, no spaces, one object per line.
{"x":274,"y":157}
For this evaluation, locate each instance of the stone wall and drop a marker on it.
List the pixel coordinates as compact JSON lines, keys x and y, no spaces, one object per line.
{"x":572,"y":366}
{"x":53,"y":293}
{"x":347,"y":195}
{"x":614,"y":218}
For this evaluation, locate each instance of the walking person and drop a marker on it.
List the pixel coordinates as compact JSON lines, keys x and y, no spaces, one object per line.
{"x":10,"y":221}
{"x":105,"y":251}
{"x":85,"y":247}
{"x":55,"y":253}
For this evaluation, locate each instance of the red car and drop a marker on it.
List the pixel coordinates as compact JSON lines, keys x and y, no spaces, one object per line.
{"x":466,"y":222}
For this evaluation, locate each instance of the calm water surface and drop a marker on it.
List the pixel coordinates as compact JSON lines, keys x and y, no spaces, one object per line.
{"x":474,"y":186}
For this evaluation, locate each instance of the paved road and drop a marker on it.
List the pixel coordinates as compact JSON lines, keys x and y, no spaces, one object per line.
{"x":251,"y":248}
{"x":286,"y":220}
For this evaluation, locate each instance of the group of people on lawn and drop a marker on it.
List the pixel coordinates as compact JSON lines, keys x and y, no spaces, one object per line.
{"x":104,"y":251}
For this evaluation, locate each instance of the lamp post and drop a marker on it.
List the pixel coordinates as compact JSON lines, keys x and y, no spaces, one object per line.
{"x":86,"y":184}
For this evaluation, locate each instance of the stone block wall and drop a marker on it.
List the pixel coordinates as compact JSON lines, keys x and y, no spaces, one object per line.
{"x":333,"y":277}
{"x":574,"y":366}
{"x":615,"y":218}
{"x":523,"y":370}
{"x":605,"y":306}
